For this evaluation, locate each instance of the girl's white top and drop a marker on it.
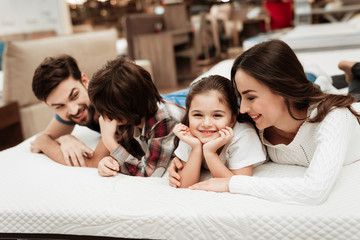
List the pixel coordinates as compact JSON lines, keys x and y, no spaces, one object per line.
{"x":321,"y":147}
{"x":243,"y":150}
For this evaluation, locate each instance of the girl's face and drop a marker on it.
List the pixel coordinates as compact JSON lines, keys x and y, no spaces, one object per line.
{"x":207,"y":115}
{"x":264,"y":107}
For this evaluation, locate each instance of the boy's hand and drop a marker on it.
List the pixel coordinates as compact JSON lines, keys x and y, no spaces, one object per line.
{"x":183,"y":133}
{"x":226,"y":134}
{"x":107,"y":126}
{"x":108,"y":130}
{"x":108,"y":167}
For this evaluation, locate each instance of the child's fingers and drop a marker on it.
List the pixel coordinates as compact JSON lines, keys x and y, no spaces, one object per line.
{"x":111,"y":164}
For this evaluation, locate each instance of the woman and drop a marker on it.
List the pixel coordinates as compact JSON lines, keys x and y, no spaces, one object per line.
{"x":298,"y":124}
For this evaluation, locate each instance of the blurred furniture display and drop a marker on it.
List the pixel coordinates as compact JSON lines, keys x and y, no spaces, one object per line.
{"x":23,"y":16}
{"x":163,"y":39}
{"x":187,"y":40}
{"x":137,"y":24}
{"x":335,"y":12}
{"x":316,"y":37}
{"x":21,"y":58}
{"x":10,"y":125}
{"x":280,"y":12}
{"x":229,"y":24}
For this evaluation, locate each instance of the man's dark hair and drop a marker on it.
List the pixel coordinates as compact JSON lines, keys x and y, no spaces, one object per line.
{"x":51,"y":72}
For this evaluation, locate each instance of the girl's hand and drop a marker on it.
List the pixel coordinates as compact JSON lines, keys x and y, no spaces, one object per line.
{"x":213,"y":184}
{"x":226,"y":135}
{"x":108,"y":167}
{"x":184,"y":134}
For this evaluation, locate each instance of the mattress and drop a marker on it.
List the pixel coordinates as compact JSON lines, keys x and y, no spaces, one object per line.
{"x":43,"y":197}
{"x":314,"y":37}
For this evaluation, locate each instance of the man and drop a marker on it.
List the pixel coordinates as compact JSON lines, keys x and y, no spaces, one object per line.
{"x":59,"y":83}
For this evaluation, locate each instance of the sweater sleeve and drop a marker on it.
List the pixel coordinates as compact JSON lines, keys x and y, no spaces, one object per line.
{"x":331,"y":140}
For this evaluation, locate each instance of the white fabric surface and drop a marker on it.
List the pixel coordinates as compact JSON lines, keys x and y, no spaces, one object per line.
{"x":41,"y":196}
{"x":313,"y":37}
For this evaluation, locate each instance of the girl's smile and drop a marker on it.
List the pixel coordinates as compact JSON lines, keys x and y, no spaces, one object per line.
{"x":208,"y":114}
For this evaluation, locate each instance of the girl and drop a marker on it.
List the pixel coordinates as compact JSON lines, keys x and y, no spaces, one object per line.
{"x":298,"y":124}
{"x":210,"y":134}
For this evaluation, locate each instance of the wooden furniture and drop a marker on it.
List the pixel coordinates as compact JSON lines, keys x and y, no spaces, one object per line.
{"x":10,"y":125}
{"x":159,"y":49}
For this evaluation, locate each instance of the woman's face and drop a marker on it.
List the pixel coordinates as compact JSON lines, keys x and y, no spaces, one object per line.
{"x":264,"y":107}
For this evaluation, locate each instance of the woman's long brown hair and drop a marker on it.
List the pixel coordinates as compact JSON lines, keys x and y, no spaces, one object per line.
{"x":274,"y":64}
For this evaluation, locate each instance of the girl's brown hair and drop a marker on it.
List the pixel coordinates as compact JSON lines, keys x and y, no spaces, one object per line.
{"x":274,"y":64}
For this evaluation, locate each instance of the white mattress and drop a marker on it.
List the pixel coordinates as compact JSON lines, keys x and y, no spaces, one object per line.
{"x":38,"y":195}
{"x":313,"y":37}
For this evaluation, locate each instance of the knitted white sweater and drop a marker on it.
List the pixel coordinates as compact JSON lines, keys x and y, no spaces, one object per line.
{"x":322,"y":147}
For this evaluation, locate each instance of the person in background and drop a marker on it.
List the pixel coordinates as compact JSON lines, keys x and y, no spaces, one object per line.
{"x":59,"y":83}
{"x":136,"y":123}
{"x":297,"y":122}
{"x":210,"y":134}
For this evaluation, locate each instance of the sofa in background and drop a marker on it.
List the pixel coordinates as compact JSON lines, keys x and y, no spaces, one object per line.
{"x":20,"y":59}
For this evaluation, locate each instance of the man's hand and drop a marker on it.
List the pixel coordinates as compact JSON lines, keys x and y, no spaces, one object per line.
{"x":108,"y":167}
{"x":74,"y":150}
{"x":174,"y":176}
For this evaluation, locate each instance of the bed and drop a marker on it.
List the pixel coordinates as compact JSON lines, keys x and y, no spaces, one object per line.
{"x":42,"y":199}
{"x":314,"y":37}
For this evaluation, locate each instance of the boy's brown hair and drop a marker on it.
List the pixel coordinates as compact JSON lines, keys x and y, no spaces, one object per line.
{"x":124,"y":91}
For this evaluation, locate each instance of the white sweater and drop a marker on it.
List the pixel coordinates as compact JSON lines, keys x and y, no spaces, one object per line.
{"x":322,"y":147}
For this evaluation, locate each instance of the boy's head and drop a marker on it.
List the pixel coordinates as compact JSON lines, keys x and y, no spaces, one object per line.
{"x":59,"y":83}
{"x":123,"y":91}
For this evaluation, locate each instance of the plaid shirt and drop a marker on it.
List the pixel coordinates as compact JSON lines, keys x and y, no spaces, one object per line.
{"x":158,"y":138}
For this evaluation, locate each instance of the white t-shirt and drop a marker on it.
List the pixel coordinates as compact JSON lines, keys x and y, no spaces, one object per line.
{"x":243,"y":150}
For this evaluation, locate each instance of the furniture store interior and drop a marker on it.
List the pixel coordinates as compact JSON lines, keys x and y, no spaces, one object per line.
{"x":175,"y":40}
{"x":117,"y":119}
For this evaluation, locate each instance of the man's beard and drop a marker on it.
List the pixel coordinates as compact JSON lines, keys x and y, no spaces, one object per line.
{"x":88,"y":119}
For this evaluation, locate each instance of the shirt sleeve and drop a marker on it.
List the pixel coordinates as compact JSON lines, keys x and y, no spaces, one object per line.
{"x":157,"y":157}
{"x":183,"y":151}
{"x":245,"y":150}
{"x":57,"y":117}
{"x":331,"y":140}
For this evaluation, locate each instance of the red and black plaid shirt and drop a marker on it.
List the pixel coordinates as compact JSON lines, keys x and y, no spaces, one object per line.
{"x":158,"y":138}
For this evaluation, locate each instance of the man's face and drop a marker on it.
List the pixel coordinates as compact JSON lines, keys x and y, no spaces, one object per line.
{"x":71,"y":102}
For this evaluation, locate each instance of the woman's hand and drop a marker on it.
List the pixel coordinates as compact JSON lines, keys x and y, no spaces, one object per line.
{"x":108,"y":167}
{"x":212,"y":146}
{"x":183,"y":133}
{"x":174,"y":176}
{"x":213,"y":184}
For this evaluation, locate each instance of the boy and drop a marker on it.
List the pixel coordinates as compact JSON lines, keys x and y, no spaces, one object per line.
{"x":133,"y":111}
